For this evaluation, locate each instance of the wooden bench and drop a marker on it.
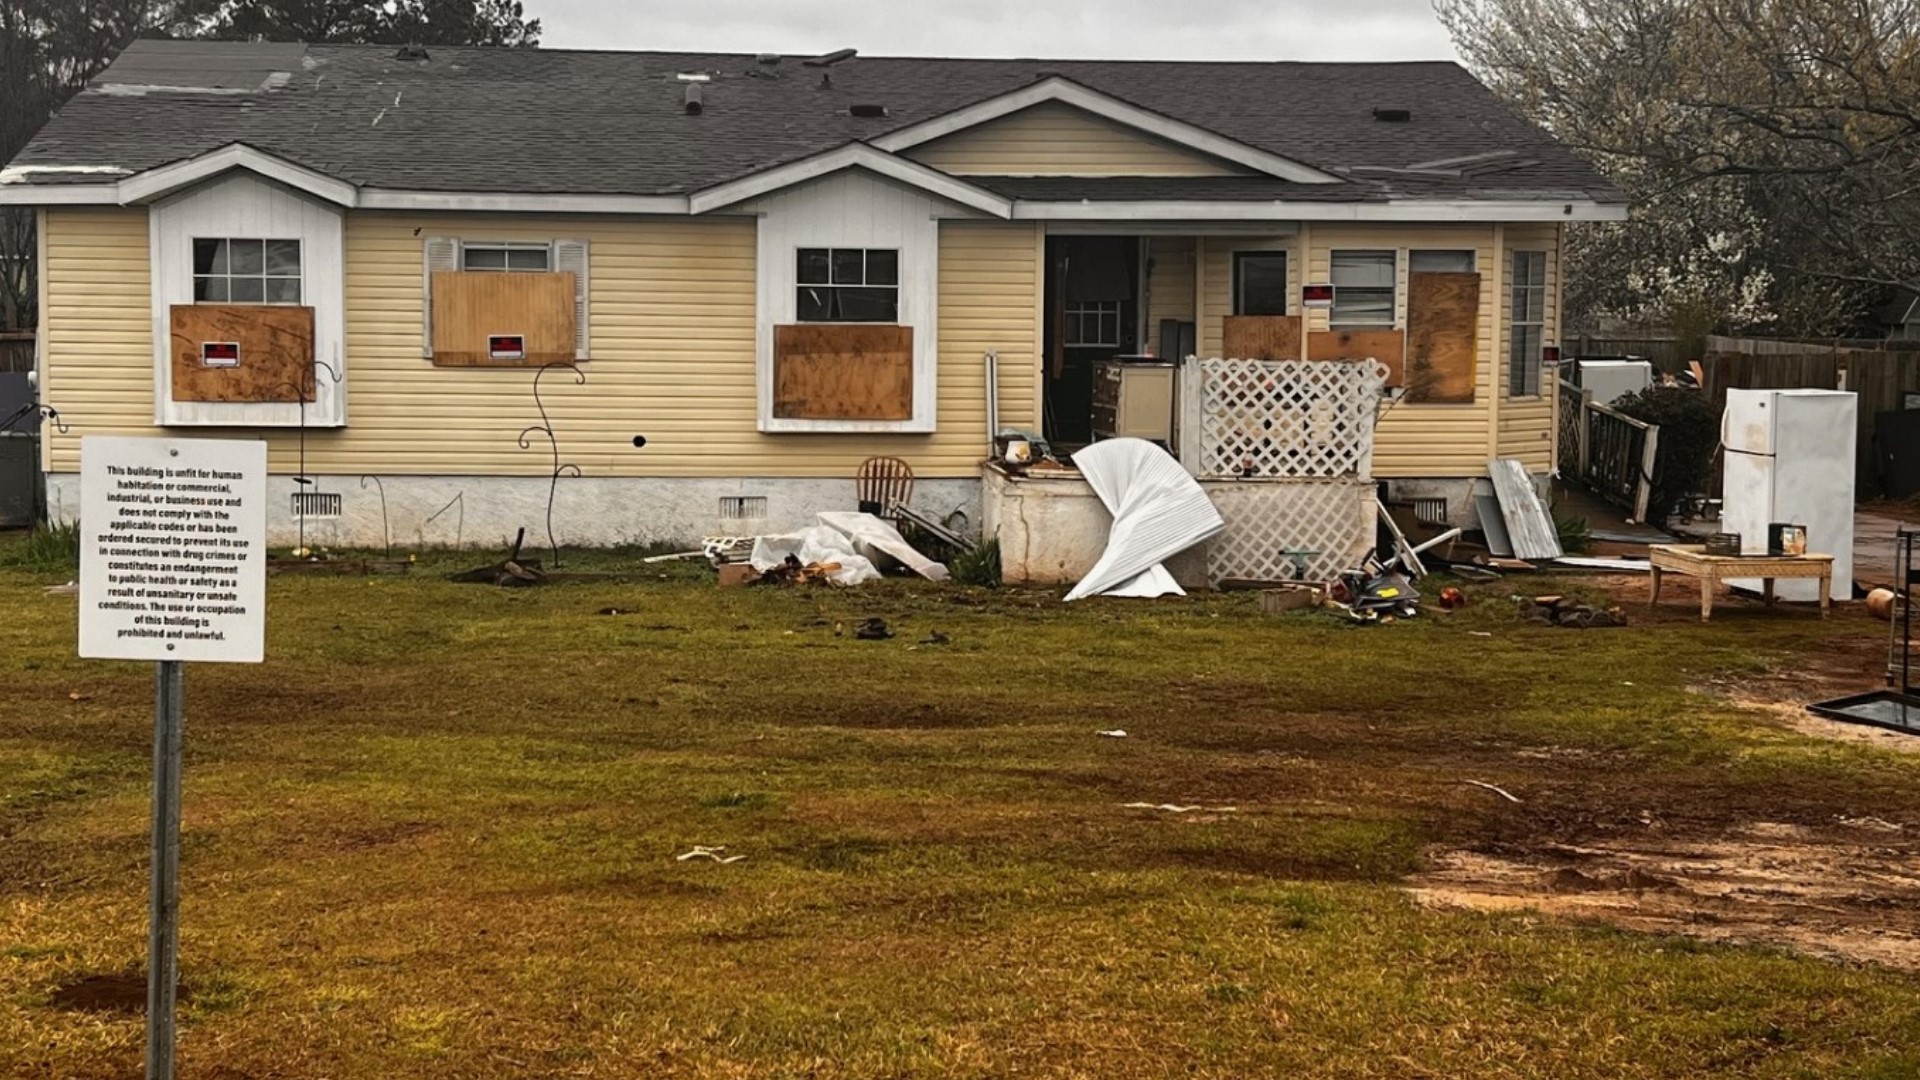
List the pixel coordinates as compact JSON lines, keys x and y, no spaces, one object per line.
{"x":1693,"y":561}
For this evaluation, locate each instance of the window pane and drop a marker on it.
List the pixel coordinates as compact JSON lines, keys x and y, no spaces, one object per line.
{"x":529,"y":259}
{"x":813,"y":305}
{"x":209,"y":290}
{"x":283,"y":290}
{"x":848,"y":266}
{"x":883,"y":267}
{"x":1443,"y":262}
{"x":813,"y":266}
{"x":1367,"y":269}
{"x":283,"y":257}
{"x":483,"y":258}
{"x":209,"y":256}
{"x":1263,"y":284}
{"x":868,"y":304}
{"x":246,"y":256}
{"x":246,"y":290}
{"x":1362,"y":306}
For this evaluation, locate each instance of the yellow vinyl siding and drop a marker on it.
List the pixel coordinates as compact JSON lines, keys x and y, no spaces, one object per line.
{"x":1526,"y":423}
{"x":671,"y":319}
{"x":98,"y":327}
{"x":1170,"y":275}
{"x":1055,"y":139}
{"x":1217,"y":272}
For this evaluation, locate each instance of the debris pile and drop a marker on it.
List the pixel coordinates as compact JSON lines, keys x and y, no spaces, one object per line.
{"x":1564,"y":611}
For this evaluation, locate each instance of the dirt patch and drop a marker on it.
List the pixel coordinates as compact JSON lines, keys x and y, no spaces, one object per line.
{"x":1850,"y":892}
{"x":125,"y":992}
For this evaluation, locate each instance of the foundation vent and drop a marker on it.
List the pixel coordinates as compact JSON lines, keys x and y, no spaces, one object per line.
{"x":313,"y":505}
{"x":742,"y":507}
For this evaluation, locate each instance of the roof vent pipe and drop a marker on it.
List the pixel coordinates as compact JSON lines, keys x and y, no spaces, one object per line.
{"x":696,"y":103}
{"x":768,"y":58}
{"x":832,"y":58}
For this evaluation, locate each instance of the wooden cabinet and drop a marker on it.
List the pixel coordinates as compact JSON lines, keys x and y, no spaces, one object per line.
{"x":1134,"y":399}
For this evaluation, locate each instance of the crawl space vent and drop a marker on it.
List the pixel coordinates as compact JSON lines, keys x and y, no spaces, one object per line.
{"x":316,"y":504}
{"x":742,"y":507}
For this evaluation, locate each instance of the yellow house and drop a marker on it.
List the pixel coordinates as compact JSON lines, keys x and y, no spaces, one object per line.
{"x":762,"y":271}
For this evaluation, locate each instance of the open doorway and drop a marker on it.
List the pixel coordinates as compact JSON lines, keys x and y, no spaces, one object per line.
{"x":1092,"y":315}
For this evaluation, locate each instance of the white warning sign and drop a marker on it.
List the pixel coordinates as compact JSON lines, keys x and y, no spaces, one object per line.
{"x":173,"y":549}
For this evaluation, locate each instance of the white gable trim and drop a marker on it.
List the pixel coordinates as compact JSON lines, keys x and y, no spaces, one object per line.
{"x":853,"y":155}
{"x":167,"y":179}
{"x":1068,"y":92}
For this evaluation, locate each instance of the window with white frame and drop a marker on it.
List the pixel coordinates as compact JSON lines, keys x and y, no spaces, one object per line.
{"x":1363,"y":287}
{"x":1526,"y":328}
{"x":1438,"y":261}
{"x":246,"y":270}
{"x":481,"y":255}
{"x":848,"y":285}
{"x":1260,"y":283}
{"x":1092,"y":324}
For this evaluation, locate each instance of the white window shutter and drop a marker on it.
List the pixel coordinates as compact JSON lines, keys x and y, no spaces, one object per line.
{"x":570,"y":256}
{"x":442,"y":253}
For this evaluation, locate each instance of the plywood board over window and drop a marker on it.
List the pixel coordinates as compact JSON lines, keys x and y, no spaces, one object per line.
{"x":1261,"y":337}
{"x":274,"y":346}
{"x":1443,"y":337}
{"x":1387,"y":346}
{"x":843,"y":371}
{"x":469,"y":308}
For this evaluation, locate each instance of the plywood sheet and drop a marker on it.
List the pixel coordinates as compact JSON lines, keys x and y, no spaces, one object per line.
{"x":1386,"y":346}
{"x":1531,"y":527}
{"x":468,"y":308}
{"x":843,"y":371}
{"x":1443,"y":337}
{"x":275,"y":345}
{"x":1261,"y":337}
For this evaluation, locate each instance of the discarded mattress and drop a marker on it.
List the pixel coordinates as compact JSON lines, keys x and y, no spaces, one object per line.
{"x":1158,"y":512}
{"x":853,"y":540}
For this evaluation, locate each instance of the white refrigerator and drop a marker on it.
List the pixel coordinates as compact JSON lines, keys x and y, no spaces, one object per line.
{"x":1789,"y":457}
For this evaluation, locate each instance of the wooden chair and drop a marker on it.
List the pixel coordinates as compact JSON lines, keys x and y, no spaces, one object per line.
{"x":882,"y":484}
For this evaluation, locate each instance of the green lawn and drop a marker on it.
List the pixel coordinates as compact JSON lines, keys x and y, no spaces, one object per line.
{"x":435,"y":836}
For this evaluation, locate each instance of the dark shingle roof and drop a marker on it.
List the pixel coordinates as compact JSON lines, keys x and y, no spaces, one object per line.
{"x":539,"y":120}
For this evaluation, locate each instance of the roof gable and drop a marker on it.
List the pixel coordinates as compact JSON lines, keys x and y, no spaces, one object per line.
{"x":1057,"y":139}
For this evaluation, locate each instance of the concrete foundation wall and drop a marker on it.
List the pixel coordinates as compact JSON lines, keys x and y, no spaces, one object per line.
{"x":1052,"y":529}
{"x":484,"y":511}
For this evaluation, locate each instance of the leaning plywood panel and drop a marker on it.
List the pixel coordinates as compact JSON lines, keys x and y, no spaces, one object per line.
{"x":471,"y":309}
{"x":241,"y":352}
{"x":1387,"y":346}
{"x":1262,"y":337}
{"x":1443,"y":339}
{"x":1528,"y":523}
{"x":833,"y":371}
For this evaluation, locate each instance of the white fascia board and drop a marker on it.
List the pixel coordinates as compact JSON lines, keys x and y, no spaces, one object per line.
{"x":1279,"y":210}
{"x":167,"y":179}
{"x":521,"y":203}
{"x":1068,"y":92}
{"x":853,"y":155}
{"x":59,"y":194}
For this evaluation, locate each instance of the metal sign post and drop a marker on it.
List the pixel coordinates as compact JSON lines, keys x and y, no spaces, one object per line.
{"x":163,"y":936}
{"x":173,"y":568}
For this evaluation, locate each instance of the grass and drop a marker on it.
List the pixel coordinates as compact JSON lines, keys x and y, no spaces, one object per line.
{"x":435,"y":835}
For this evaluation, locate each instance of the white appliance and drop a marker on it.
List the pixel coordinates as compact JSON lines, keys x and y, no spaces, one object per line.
{"x":1789,"y":458}
{"x":1611,"y":380}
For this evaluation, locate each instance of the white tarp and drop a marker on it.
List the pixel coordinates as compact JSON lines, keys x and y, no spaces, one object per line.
{"x":852,"y":540}
{"x":1158,"y":509}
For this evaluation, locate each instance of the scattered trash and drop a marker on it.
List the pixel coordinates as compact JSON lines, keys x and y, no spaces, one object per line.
{"x":1289,"y":596}
{"x":1174,"y":808}
{"x":1116,"y":733}
{"x":1500,"y":791}
{"x":509,"y":573}
{"x":1560,"y":611}
{"x":1479,"y":633}
{"x":76,"y":695}
{"x":616,"y":611}
{"x":841,"y":549}
{"x":1452,"y":598}
{"x":1473,"y":573}
{"x":736,"y":573}
{"x":872,"y":630}
{"x":678,"y":556}
{"x":794,"y":572}
{"x":717,"y":854}
{"x":1373,"y":592}
{"x":870,"y":535}
{"x":1879,"y":603}
{"x":1618,"y":566}
{"x":69,"y":589}
{"x":936,"y":638}
{"x":1159,"y":510}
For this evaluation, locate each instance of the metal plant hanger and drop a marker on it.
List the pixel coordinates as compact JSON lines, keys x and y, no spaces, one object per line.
{"x":31,"y":408}
{"x":545,"y":427}
{"x":386,"y":532}
{"x":301,"y":394}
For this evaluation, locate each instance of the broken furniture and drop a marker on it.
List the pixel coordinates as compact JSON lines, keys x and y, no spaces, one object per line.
{"x":1133,"y":399}
{"x":1895,"y":708}
{"x":882,"y":485}
{"x":1715,"y":570}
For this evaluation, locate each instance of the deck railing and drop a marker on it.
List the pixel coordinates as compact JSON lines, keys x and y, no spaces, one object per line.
{"x":1610,"y":452}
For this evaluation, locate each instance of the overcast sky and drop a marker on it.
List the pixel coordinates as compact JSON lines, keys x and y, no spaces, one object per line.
{"x":1116,"y":29}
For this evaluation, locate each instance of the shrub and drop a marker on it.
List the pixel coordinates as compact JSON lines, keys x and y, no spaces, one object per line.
{"x":48,"y":549}
{"x":981,"y":566}
{"x":1689,"y":438}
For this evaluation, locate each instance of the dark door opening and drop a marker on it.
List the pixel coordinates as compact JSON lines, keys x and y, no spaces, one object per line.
{"x":1092,"y":314}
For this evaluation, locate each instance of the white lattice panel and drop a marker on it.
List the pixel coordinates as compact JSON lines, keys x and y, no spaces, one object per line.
{"x":1281,"y":419}
{"x":1287,"y":530}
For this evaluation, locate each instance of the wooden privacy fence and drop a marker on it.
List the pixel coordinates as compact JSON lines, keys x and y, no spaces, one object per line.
{"x":1881,"y":377}
{"x":1610,"y":452}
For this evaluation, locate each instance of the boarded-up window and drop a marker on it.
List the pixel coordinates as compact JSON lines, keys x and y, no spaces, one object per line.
{"x":241,"y":353}
{"x":1261,"y":337}
{"x":502,"y":320}
{"x":1387,"y":346}
{"x":516,"y":260}
{"x":845,"y":372}
{"x":1443,"y":336}
{"x":1526,"y":333}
